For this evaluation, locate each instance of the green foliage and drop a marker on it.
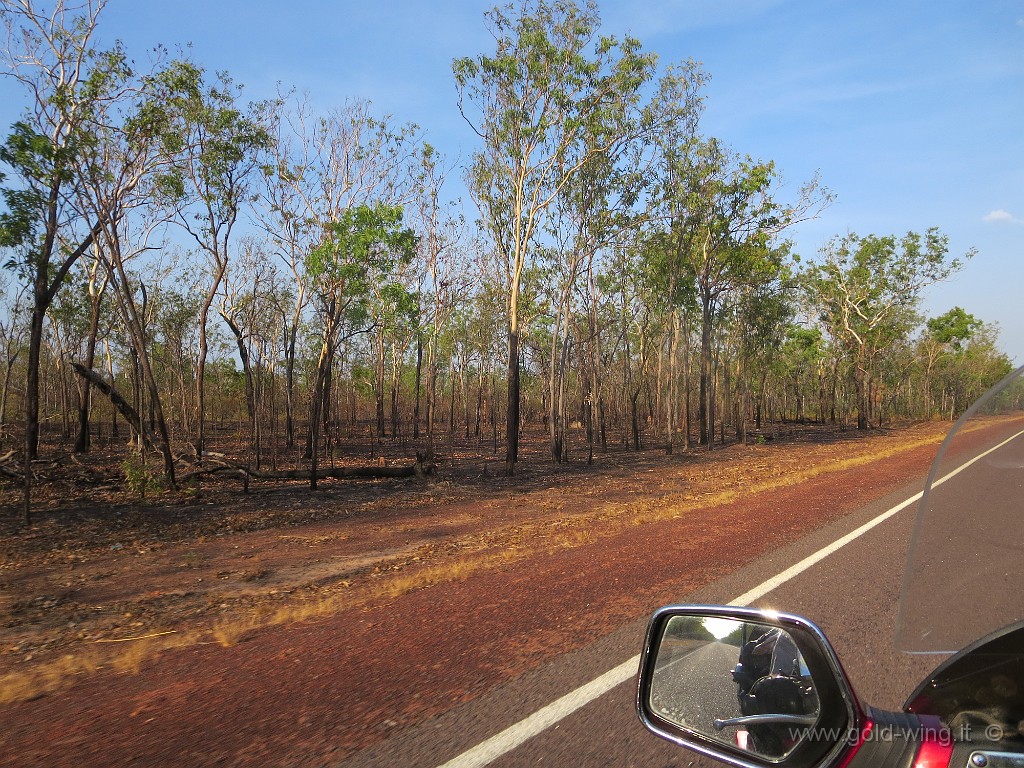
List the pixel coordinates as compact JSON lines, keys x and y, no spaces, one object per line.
{"x":363,"y":378}
{"x":356,"y":261}
{"x":139,"y":478}
{"x":75,"y":88}
{"x":954,"y":328}
{"x":32,"y":157}
{"x":970,"y":361}
{"x":600,"y":199}
{"x":721,"y":216}
{"x":867,"y":289}
{"x":71,"y":309}
{"x":548,"y":101}
{"x":210,"y":143}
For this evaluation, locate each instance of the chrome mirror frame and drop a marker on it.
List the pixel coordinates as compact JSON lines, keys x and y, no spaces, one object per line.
{"x":841,"y":712}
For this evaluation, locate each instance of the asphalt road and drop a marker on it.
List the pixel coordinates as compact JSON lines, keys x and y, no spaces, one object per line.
{"x":852,"y":594}
{"x":706,"y":669}
{"x":971,"y":529}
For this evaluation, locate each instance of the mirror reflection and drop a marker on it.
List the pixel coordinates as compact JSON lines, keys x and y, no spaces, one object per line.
{"x":740,"y":683}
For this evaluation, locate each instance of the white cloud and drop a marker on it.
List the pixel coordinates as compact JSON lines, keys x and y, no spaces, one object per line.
{"x":1001,"y":216}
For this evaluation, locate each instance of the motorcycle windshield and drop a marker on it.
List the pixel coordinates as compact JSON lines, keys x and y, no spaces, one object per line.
{"x":965,"y":569}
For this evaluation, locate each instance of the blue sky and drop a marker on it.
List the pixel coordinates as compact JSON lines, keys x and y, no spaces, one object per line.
{"x":912,"y":112}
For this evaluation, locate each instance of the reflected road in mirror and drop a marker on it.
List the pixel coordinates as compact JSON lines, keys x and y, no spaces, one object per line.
{"x":743,"y":684}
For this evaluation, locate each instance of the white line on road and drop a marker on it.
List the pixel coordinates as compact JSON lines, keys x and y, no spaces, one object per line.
{"x":510,"y":738}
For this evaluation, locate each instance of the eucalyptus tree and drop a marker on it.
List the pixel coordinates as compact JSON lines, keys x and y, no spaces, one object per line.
{"x":251,"y":294}
{"x":132,"y":175}
{"x":954,"y":328}
{"x":981,"y":364}
{"x":13,"y":335}
{"x":866,"y":291}
{"x":213,"y":145}
{"x":722,"y":218}
{"x":568,"y":270}
{"x":960,"y":356}
{"x":602,"y":207}
{"x":319,"y":167}
{"x":479,"y":320}
{"x":801,"y":355}
{"x":532,"y":102}
{"x":942,"y":335}
{"x":762,"y":316}
{"x":676,"y":108}
{"x":122,"y":242}
{"x":123,"y":170}
{"x":97,"y":279}
{"x":167,"y":299}
{"x":363,"y":250}
{"x":72,"y":89}
{"x":391,"y":311}
{"x":442,"y":279}
{"x":638,"y":318}
{"x":68,"y":332}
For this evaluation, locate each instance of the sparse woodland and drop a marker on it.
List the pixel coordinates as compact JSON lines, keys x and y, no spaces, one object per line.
{"x":187,"y":272}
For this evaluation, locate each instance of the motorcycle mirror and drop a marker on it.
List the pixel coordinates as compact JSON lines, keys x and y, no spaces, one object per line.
{"x":748,"y":687}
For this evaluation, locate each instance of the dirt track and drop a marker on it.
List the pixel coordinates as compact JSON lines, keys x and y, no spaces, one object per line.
{"x":428,"y":598}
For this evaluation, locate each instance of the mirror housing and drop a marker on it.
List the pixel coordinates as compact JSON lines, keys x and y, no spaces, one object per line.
{"x":749,"y":687}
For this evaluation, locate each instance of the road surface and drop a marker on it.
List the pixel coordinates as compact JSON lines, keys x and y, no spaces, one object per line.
{"x":851,"y":593}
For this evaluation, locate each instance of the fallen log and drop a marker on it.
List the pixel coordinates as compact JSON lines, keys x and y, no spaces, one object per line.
{"x":11,"y":473}
{"x":355,"y":473}
{"x":417,"y":469}
{"x":122,"y":405}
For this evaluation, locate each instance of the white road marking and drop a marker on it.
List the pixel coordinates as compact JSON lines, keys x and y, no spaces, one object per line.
{"x":545,"y":717}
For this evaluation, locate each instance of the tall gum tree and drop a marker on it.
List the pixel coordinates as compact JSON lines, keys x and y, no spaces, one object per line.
{"x":442,"y":276}
{"x":50,"y":54}
{"x":131,"y":174}
{"x":722,"y":218}
{"x":120,"y":166}
{"x":604,"y":206}
{"x":361,"y":255}
{"x":867,"y":290}
{"x":213,"y":145}
{"x":531,"y":103}
{"x":73,"y":91}
{"x":320,"y":166}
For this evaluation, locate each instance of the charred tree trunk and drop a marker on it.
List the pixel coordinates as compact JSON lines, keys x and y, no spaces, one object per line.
{"x":32,"y":402}
{"x":250,"y":389}
{"x":380,"y":385}
{"x":289,"y":376}
{"x":419,"y":371}
{"x":707,"y":427}
{"x":82,"y":443}
{"x":35,"y":345}
{"x":861,"y":384}
{"x":512,"y":410}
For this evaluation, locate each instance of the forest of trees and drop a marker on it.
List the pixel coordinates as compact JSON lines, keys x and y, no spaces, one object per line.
{"x":177,"y":258}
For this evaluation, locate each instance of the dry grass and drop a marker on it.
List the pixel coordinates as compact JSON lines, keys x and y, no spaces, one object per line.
{"x":130,"y":656}
{"x":498,"y":548}
{"x":59,"y":673}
